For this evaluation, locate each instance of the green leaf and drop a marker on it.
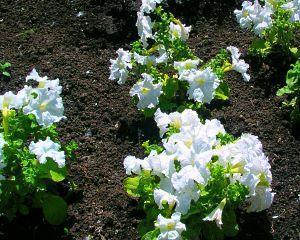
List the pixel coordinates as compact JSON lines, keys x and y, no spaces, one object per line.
{"x":54,"y":209}
{"x":230,"y":226}
{"x":23,"y":209}
{"x":6,"y":65}
{"x":222,"y":92}
{"x":56,"y":176}
{"x":131,"y":185}
{"x":170,"y":87}
{"x":151,"y":235}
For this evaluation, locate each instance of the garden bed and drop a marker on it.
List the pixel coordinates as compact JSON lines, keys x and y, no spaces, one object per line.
{"x":54,"y":38}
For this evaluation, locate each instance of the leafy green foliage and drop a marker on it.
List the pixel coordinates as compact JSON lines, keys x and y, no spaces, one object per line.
{"x":4,"y":69}
{"x":292,"y":89}
{"x":29,"y":183}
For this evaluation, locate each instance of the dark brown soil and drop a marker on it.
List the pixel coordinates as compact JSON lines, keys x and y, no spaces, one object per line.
{"x":49,"y":36}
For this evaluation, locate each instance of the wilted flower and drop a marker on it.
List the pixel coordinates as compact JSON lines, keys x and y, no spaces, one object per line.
{"x":47,"y":106}
{"x":48,"y":149}
{"x":179,"y":31}
{"x":216,"y":214}
{"x":144,"y":26}
{"x":147,"y":92}
{"x":202,"y":85}
{"x":238,"y":64}
{"x":119,"y":67}
{"x":170,"y":228}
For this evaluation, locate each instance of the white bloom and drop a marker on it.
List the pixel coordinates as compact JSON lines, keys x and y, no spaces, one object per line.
{"x":161,"y":164}
{"x":216,"y":214}
{"x":11,"y":101}
{"x":163,"y":55}
{"x":179,"y":31}
{"x":262,"y":199}
{"x":149,"y":5}
{"x":144,"y":26}
{"x":119,"y":67}
{"x":162,"y":197}
{"x":44,"y":82}
{"x":147,"y":92}
{"x":135,"y":165}
{"x":211,"y":129}
{"x":186,"y":118}
{"x":202,"y":85}
{"x":294,"y":7}
{"x":186,"y":65}
{"x":170,"y":228}
{"x":47,"y":106}
{"x":238,"y":64}
{"x":263,"y":20}
{"x":145,"y":60}
{"x":244,"y":16}
{"x":47,"y":149}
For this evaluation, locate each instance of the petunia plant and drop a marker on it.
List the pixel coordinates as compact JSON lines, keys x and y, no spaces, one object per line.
{"x":166,"y":72}
{"x":192,"y":184}
{"x":32,"y":159}
{"x":275,"y":23}
{"x":292,"y":90}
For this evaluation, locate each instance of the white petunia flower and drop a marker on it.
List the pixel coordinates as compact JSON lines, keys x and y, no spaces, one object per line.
{"x":162,"y":197}
{"x":186,"y":118}
{"x":245,"y":16}
{"x":170,"y":228}
{"x":119,"y":67}
{"x":179,"y":31}
{"x":216,"y":214}
{"x":47,"y":106}
{"x":44,"y":82}
{"x":202,"y":85}
{"x":135,"y":165}
{"x":161,"y":164}
{"x":262,"y":199}
{"x":144,"y":26}
{"x":187,"y":65}
{"x":263,"y":20}
{"x":163,"y":55}
{"x":11,"y":101}
{"x":294,"y":7}
{"x":147,"y":92}
{"x":47,"y":149}
{"x":148,"y":6}
{"x":238,"y":64}
{"x":144,"y":60}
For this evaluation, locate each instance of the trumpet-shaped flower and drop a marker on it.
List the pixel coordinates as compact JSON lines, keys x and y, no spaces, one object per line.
{"x":170,"y":228}
{"x":179,"y":31}
{"x":162,"y":197}
{"x":44,"y":82}
{"x":47,"y":149}
{"x":262,"y":20}
{"x":202,"y":85}
{"x":148,"y":6}
{"x":47,"y":106}
{"x":238,"y":64}
{"x":147,"y":92}
{"x":161,"y":164}
{"x":294,"y":7}
{"x":144,"y":25}
{"x":119,"y":67}
{"x":244,"y":16}
{"x":216,"y":214}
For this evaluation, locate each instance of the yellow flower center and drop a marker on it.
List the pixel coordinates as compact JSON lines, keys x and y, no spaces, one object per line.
{"x":170,"y":226}
{"x":200,"y":81}
{"x":43,"y":106}
{"x":145,"y":90}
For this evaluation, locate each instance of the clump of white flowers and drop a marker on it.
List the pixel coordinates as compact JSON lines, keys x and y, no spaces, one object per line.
{"x":32,"y":159}
{"x":201,"y":171}
{"x":167,"y":73}
{"x":255,"y":16}
{"x":275,"y":23}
